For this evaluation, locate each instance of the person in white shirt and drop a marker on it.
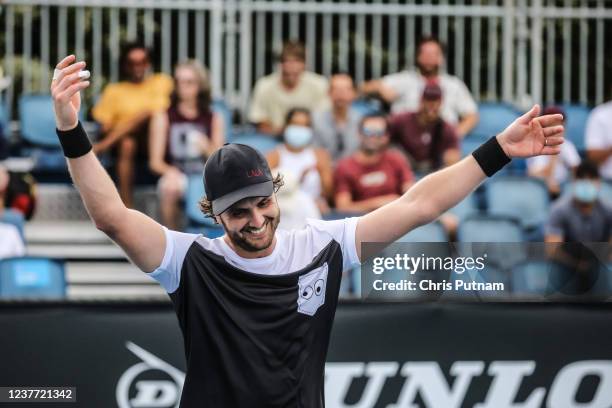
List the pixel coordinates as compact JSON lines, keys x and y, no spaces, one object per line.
{"x":404,"y":89}
{"x":598,"y":138}
{"x":295,"y":205}
{"x":555,"y":170}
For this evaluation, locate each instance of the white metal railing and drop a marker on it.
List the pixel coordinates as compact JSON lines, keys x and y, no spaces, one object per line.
{"x":511,"y":50}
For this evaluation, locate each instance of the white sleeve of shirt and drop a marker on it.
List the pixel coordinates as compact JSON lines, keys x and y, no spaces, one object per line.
{"x":343,"y":232}
{"x":596,"y":135}
{"x":569,"y":154}
{"x":465,"y":103}
{"x":168,"y":274}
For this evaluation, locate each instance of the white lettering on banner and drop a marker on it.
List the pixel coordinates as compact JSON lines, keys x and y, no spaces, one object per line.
{"x":339,"y":376}
{"x":507,"y":378}
{"x":563,"y":390}
{"x":425,"y":379}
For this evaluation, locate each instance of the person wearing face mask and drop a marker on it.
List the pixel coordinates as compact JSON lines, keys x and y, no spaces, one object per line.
{"x":425,"y":137}
{"x":404,"y":89}
{"x":581,"y":217}
{"x":312,"y":165}
{"x":374,"y":175}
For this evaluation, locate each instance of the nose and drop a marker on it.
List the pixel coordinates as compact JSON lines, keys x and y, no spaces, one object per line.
{"x":257,"y":219}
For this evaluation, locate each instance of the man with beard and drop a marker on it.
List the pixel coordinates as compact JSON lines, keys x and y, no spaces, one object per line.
{"x":256,"y":306}
{"x":374,"y":175}
{"x":404,"y":89}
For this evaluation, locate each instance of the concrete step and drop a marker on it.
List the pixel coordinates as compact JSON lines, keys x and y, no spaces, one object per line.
{"x":105,"y":272}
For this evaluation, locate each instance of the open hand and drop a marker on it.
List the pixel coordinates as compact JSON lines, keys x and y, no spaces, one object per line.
{"x":533,"y":135}
{"x":65,"y":91}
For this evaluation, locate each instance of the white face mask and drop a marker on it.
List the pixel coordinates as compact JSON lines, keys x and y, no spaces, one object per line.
{"x":298,"y":136}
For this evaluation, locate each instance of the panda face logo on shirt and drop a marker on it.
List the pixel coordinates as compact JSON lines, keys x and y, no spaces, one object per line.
{"x":311,"y":288}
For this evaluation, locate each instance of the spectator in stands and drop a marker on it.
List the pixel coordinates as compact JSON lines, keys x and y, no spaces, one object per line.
{"x":4,"y":83}
{"x":183,"y":136}
{"x":374,"y":175}
{"x":581,"y":217}
{"x":337,"y":129}
{"x":555,"y":170}
{"x":404,"y":89}
{"x":11,"y":243}
{"x":124,"y":111}
{"x":311,"y":165}
{"x":295,"y":205}
{"x":598,"y":138}
{"x":274,"y":95}
{"x":427,"y":139}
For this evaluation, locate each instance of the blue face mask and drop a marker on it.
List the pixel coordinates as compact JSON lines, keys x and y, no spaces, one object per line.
{"x":298,"y":136}
{"x":585,"y":191}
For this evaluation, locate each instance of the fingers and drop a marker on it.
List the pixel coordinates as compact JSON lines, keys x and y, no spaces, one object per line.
{"x":551,"y":150}
{"x":529,"y":116}
{"x":554,"y":141}
{"x":550,"y":120}
{"x":64,"y":72}
{"x":553,"y":131}
{"x":65,"y":96}
{"x":65,"y":62}
{"x":67,"y":81}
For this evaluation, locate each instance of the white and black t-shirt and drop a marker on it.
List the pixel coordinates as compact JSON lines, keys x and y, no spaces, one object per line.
{"x":256,"y":331}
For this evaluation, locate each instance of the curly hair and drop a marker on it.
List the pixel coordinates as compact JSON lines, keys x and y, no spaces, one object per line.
{"x":206,"y":205}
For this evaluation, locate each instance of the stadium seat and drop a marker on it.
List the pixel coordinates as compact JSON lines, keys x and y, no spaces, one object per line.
{"x":494,"y":117}
{"x":37,"y":121}
{"x":575,"y":125}
{"x":432,"y":232}
{"x":258,"y":141}
{"x":197,"y":221}
{"x":32,"y":278}
{"x":220,"y":106}
{"x":500,"y":237}
{"x":524,"y":198}
{"x":489,"y":228}
{"x":366,"y":106}
{"x":531,"y":278}
{"x":14,"y":218}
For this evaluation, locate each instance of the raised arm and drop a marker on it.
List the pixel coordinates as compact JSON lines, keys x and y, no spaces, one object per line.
{"x":529,"y":135}
{"x":139,"y":236}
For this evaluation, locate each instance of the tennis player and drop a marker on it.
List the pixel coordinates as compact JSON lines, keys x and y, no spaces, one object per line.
{"x":256,"y":306}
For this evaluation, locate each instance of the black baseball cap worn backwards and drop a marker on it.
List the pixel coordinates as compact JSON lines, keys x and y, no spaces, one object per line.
{"x":235,"y":172}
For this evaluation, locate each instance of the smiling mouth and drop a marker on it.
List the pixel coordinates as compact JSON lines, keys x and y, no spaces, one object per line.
{"x":257,"y":232}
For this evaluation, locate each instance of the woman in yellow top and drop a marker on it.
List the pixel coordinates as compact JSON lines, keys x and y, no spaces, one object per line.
{"x":125,"y":109}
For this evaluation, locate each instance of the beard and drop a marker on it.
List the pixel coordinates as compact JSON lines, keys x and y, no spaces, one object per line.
{"x":243,"y":240}
{"x":428,"y":71}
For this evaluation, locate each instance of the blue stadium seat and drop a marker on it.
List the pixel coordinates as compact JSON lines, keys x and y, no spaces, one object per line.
{"x":197,"y":221}
{"x":37,"y":121}
{"x":524,"y":198}
{"x":14,"y":218}
{"x":489,"y":228}
{"x":432,"y":232}
{"x":219,"y":106}
{"x":365,"y":106}
{"x":531,"y":277}
{"x":258,"y":141}
{"x":32,"y":278}
{"x":494,"y":117}
{"x":575,"y":125}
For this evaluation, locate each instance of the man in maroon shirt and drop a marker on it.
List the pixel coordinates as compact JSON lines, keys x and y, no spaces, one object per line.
{"x":429,"y":141}
{"x":374,"y":175}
